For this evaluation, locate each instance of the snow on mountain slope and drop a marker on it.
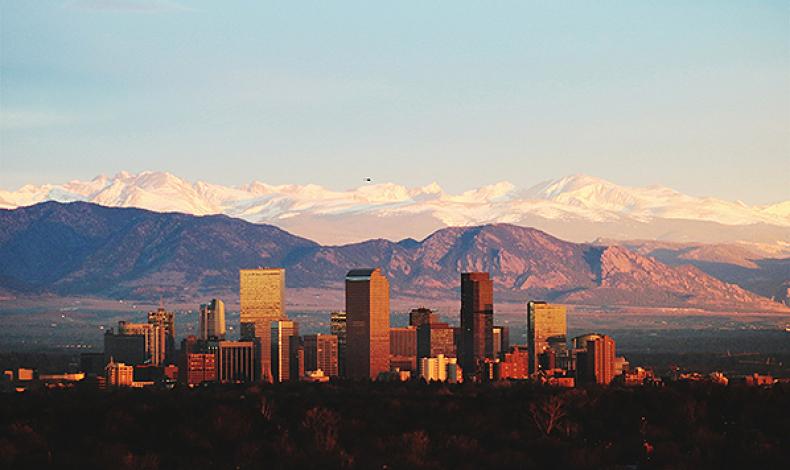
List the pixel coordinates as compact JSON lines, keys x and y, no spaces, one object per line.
{"x":572,"y":202}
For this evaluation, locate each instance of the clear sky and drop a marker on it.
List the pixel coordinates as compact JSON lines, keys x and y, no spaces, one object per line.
{"x":692,"y":95}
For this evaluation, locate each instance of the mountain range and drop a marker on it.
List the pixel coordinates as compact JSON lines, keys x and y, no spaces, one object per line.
{"x":85,"y":249}
{"x":578,"y":208}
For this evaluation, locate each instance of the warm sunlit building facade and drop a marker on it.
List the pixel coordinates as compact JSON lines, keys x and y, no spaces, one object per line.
{"x":368,"y":323}
{"x":199,"y":368}
{"x":165,"y":320}
{"x":546,"y":328}
{"x":261,"y":297}
{"x":441,"y":369}
{"x":212,"y":320}
{"x":596,"y":362}
{"x":119,"y":374}
{"x":284,"y":342}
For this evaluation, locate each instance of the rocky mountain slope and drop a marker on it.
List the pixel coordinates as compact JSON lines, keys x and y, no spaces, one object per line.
{"x":86,"y":249}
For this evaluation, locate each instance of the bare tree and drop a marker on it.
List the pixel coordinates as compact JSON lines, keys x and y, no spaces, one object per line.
{"x":548,"y":413}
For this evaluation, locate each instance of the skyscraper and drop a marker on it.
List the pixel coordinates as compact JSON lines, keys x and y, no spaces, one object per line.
{"x":403,"y":348}
{"x":435,"y":338}
{"x":337,"y":326}
{"x":421,"y":316}
{"x":546,"y":328}
{"x":320,"y":352}
{"x":165,"y":320}
{"x":212,"y":320}
{"x":501,"y":337}
{"x":368,"y":323}
{"x":130,"y":349}
{"x":596,"y":363}
{"x":262,"y":297}
{"x":285,"y":337}
{"x":477,"y":321}
{"x":155,"y":338}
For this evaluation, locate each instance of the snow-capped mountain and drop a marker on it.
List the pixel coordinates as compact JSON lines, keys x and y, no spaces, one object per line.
{"x":579,"y":207}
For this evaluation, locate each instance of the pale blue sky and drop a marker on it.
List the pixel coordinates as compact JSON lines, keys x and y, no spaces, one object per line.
{"x":692,"y":95}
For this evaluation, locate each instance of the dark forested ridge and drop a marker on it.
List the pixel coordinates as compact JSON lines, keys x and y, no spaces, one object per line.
{"x":399,"y":425}
{"x":85,"y":249}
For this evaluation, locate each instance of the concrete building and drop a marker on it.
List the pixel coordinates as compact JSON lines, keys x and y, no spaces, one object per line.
{"x":368,"y":323}
{"x":546,"y":328}
{"x":321,"y":353}
{"x":236,"y":361}
{"x":477,"y":322}
{"x":212,"y":320}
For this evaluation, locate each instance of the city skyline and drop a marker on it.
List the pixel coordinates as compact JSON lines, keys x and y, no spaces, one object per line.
{"x":629,"y":93}
{"x":397,"y":235}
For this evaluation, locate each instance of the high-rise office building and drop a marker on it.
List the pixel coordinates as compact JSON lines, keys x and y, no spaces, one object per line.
{"x":501,"y":338}
{"x":166,"y":321}
{"x":368,"y":323}
{"x":127,"y":348}
{"x":546,"y":328}
{"x":435,"y":338}
{"x":236,"y":361}
{"x":284,"y":344}
{"x":155,"y":338}
{"x":403,"y":348}
{"x":422,"y":316}
{"x":477,"y":321}
{"x":337,"y":326}
{"x":212,"y":320}
{"x":320,"y":353}
{"x":262,"y":298}
{"x":595,"y":364}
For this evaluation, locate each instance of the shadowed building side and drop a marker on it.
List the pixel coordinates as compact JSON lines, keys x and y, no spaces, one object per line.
{"x":477,"y":321}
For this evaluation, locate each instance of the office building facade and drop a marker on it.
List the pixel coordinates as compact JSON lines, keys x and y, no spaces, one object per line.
{"x":368,"y":312}
{"x":477,"y":321}
{"x":546,"y":328}
{"x":212,"y":320}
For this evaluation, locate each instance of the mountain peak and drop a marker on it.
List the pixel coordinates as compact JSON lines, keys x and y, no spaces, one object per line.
{"x":580,"y":207}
